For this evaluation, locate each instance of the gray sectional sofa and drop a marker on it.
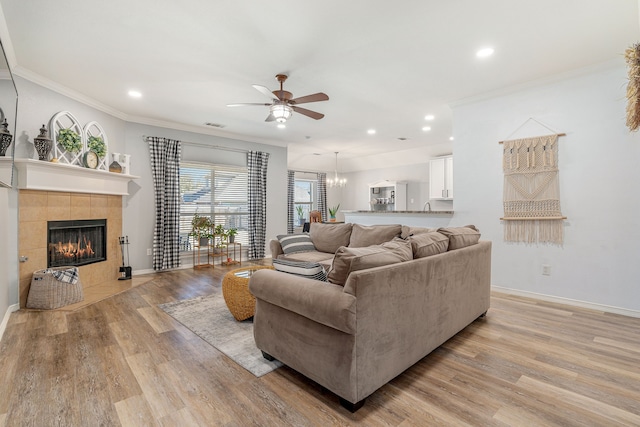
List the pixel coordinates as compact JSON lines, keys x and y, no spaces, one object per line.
{"x":388,"y":313}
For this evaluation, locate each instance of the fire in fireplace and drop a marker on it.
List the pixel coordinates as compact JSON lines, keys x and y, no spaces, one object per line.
{"x":77,"y":242}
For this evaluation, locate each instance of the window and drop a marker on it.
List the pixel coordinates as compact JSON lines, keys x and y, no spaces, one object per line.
{"x":304,"y":195}
{"x":217,"y":191}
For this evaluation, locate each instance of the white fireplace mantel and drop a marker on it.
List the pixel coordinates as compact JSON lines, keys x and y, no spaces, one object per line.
{"x":48,"y":176}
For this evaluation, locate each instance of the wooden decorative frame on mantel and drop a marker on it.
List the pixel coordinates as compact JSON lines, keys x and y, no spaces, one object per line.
{"x":66,"y":120}
{"x":94,"y":129}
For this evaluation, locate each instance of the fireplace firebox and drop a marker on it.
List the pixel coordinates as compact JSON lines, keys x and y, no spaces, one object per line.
{"x":77,"y":242}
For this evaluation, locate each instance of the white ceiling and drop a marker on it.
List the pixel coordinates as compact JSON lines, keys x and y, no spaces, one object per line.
{"x":384,"y":64}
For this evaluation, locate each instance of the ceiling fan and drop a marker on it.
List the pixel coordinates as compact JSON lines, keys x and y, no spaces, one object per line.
{"x":282,"y":105}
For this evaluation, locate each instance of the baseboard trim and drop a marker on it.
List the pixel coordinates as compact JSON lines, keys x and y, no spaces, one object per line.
{"x":5,"y":319}
{"x":569,"y":301}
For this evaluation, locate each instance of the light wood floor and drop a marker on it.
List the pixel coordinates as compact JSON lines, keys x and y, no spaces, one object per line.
{"x":122,"y":361}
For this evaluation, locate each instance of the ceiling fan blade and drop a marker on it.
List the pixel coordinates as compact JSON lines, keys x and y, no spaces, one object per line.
{"x":265,"y":91}
{"x":270,"y":118}
{"x":246,"y":104}
{"x":310,"y":98}
{"x":308,"y":113}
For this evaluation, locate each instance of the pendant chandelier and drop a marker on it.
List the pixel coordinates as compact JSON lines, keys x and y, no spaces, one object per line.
{"x":336,"y":181}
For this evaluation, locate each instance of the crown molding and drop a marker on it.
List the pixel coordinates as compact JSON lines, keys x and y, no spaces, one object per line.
{"x":202,"y":130}
{"x":66,"y":91}
{"x":77,"y":96}
{"x":591,"y":69}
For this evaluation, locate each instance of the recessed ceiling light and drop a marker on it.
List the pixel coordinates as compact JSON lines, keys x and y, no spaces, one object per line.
{"x":135,"y":94}
{"x":426,"y":128}
{"x":450,"y":138}
{"x":371,"y":131}
{"x":281,"y":126}
{"x":484,"y":52}
{"x":429,"y":117}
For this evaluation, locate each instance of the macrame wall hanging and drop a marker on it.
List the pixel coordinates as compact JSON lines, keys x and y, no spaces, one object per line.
{"x":532,"y":190}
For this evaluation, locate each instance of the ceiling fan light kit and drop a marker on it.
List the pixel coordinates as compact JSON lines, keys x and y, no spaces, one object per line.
{"x":281,"y":111}
{"x":282,"y":105}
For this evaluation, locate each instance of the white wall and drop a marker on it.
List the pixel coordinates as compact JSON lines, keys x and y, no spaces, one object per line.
{"x":139,"y":210}
{"x":599,"y":162}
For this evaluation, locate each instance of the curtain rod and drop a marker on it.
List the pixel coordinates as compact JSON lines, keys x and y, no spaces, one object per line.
{"x":200,"y":144}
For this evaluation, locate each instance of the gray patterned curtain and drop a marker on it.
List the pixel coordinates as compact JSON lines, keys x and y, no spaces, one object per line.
{"x":322,"y":195}
{"x":291,"y":183}
{"x":165,"y":169}
{"x":257,"y":166}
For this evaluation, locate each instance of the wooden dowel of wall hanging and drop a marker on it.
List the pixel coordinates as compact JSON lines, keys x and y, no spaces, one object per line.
{"x":531,"y":218}
{"x":558,"y":134}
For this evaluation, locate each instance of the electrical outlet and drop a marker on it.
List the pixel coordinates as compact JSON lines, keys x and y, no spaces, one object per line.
{"x":411,"y":201}
{"x":148,"y":251}
{"x":546,"y":270}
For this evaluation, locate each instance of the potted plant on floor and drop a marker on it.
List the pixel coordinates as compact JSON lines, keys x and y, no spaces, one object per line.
{"x":300,"y":212}
{"x":332,"y":213}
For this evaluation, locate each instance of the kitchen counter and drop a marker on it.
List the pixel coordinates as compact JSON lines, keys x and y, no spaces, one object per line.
{"x":401,"y":212}
{"x":429,"y":219}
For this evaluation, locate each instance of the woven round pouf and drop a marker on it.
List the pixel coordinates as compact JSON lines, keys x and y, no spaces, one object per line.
{"x":235,"y":290}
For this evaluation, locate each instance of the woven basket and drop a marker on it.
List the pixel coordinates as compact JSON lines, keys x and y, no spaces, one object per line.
{"x":46,"y":292}
{"x":235,"y":290}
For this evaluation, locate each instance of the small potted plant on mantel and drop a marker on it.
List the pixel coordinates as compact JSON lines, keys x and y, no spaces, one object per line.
{"x":332,"y":213}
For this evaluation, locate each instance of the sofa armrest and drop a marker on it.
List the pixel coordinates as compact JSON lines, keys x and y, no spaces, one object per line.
{"x":276,"y":248}
{"x":321,"y":302}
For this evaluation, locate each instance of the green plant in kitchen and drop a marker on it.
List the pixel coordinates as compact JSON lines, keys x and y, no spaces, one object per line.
{"x":69,"y":140}
{"x":333,"y":211}
{"x":97,"y":145}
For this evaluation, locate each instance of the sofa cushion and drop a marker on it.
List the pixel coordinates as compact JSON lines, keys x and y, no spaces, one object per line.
{"x":367,"y":235}
{"x":292,"y":243}
{"x":461,"y":237}
{"x":349,"y":259}
{"x":310,"y":270}
{"x":408,"y":231}
{"x":427,"y":244}
{"x":311,"y":256}
{"x":329,"y":237}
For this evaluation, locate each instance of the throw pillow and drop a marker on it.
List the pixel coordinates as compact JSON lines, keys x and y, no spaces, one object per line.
{"x":408,"y":231}
{"x":461,"y":237}
{"x":310,"y":270}
{"x":427,"y":244}
{"x":292,"y":243}
{"x":329,"y":237}
{"x":367,"y":235}
{"x":349,"y":259}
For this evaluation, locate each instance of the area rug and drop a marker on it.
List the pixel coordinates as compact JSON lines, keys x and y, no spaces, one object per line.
{"x":210,"y":319}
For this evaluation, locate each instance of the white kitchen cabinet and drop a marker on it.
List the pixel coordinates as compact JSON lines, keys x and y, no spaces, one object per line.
{"x":388,"y":196}
{"x":441,"y":178}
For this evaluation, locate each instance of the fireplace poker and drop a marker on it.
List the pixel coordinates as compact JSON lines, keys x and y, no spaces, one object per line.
{"x":127,"y":243}
{"x":125,"y":270}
